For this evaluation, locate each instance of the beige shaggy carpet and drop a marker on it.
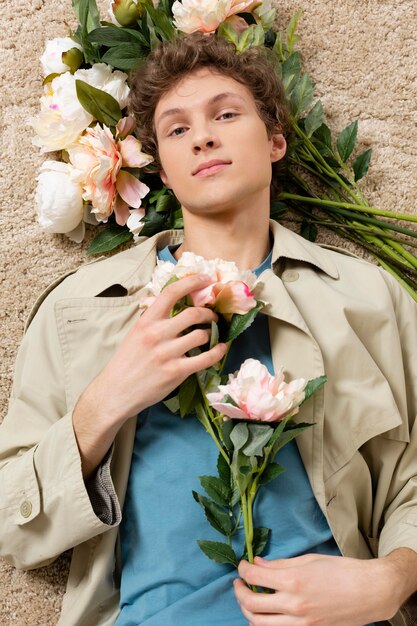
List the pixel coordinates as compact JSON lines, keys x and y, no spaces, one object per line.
{"x":362,"y":55}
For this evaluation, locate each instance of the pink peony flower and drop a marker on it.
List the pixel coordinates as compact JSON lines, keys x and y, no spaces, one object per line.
{"x":230,"y":291}
{"x":206,"y":15}
{"x":257,"y":395}
{"x":97,"y":160}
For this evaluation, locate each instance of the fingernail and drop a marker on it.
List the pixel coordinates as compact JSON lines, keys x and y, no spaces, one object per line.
{"x":204,"y":277}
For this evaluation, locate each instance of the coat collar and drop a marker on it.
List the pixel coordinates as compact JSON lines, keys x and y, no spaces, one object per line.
{"x":289,"y":245}
{"x":137,"y":263}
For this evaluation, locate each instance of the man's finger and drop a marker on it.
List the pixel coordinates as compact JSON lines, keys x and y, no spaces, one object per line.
{"x":262,"y":576}
{"x":177,"y":290}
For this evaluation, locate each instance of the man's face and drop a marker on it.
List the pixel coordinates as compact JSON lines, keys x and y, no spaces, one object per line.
{"x":213,"y":146}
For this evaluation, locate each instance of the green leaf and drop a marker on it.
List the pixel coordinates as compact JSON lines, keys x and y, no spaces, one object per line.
{"x":260,"y":539}
{"x":240,"y":323}
{"x":301,"y":95}
{"x":87,"y":13}
{"x":229,"y":33}
{"x":278,"y":209}
{"x":312,"y":386}
{"x":347,"y":140}
{"x":111,"y":36}
{"x":162,"y":23}
{"x":110,"y":238}
{"x":292,"y":66}
{"x":216,"y":489}
{"x":272,"y":470}
{"x":292,"y":27}
{"x":227,"y":428}
{"x":361,"y":164}
{"x":125,"y":56}
{"x":308,"y":230}
{"x":217,"y":517}
{"x":314,"y":119}
{"x":101,"y":105}
{"x":187,"y":395}
{"x":224,"y":470}
{"x":252,"y":36}
{"x":288,"y":435}
{"x":324,"y":135}
{"x":259,"y":435}
{"x":239,"y":435}
{"x":173,"y":404}
{"x":219,"y":552}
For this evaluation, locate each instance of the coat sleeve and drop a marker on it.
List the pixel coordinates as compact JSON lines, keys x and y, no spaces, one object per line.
{"x":400,"y":520}
{"x":45,"y":507}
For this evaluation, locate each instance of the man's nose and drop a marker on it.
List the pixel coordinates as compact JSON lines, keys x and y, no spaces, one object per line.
{"x":204,"y":139}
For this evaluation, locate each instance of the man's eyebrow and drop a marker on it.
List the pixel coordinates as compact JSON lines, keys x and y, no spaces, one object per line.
{"x":217,"y":98}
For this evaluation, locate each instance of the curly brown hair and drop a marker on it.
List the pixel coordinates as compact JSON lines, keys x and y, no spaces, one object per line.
{"x":172,"y":60}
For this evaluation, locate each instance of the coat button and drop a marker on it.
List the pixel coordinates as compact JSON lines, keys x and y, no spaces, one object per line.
{"x":289,"y":276}
{"x":26,"y":508}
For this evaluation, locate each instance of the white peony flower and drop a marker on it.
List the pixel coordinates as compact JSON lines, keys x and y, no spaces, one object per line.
{"x":59,"y":202}
{"x":135,"y":222}
{"x":111,"y":81}
{"x":206,"y":15}
{"x":62,"y":118}
{"x":51,"y":60}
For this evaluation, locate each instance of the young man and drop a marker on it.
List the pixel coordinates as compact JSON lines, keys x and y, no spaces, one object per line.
{"x":73,"y":454}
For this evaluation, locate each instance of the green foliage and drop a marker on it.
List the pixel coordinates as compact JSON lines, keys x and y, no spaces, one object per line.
{"x":308,"y":230}
{"x":125,"y":57}
{"x":188,"y":395}
{"x":219,"y":552}
{"x":87,"y":13}
{"x":346,"y":141}
{"x":260,"y":539}
{"x":89,"y":19}
{"x":259,"y":435}
{"x":108,"y":239}
{"x":315,"y":119}
{"x":273,"y":470}
{"x":240,"y":323}
{"x":112,"y":36}
{"x":361,"y":164}
{"x":239,"y":435}
{"x":292,"y":38}
{"x":312,"y":386}
{"x":101,"y":105}
{"x":216,"y":489}
{"x":217,"y":517}
{"x":301,"y":95}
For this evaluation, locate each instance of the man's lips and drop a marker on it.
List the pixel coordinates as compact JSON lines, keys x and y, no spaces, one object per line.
{"x":210,"y":167}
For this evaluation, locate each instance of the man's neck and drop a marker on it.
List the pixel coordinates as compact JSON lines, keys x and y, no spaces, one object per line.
{"x":244,"y":241}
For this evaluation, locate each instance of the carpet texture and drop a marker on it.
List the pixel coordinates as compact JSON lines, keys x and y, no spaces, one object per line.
{"x":362,"y":55}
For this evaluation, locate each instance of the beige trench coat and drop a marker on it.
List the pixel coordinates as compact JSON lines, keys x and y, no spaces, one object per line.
{"x":328,"y":313}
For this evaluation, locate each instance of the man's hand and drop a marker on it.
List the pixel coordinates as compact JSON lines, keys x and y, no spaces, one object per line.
{"x":326,"y":590}
{"x":149,"y":364}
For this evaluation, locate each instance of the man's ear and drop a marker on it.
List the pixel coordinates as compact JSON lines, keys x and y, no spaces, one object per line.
{"x":164,"y":179}
{"x":278,"y":147}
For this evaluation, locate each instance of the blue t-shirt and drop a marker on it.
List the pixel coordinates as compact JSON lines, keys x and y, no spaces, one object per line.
{"x":166,"y":579}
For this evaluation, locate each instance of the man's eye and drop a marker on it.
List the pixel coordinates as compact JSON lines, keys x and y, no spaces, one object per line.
{"x":228,"y":115}
{"x":177,"y":131}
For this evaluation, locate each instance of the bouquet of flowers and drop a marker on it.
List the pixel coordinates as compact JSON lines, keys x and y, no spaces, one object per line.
{"x":248,"y":414}
{"x":104,"y":177}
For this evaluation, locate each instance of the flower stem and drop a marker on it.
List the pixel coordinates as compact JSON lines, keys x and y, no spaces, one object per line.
{"x":248,"y":526}
{"x":348,"y":205}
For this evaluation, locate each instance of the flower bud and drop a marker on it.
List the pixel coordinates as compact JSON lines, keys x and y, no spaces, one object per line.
{"x":53,"y":61}
{"x":126,"y":12}
{"x":73,"y":58}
